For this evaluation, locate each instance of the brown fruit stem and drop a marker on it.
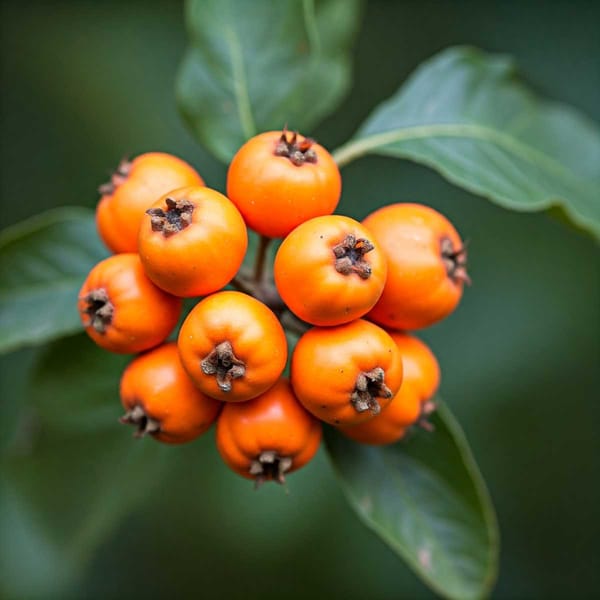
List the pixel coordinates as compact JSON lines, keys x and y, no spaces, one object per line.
{"x":99,"y":309}
{"x":144,"y":424}
{"x":455,"y":261}
{"x":293,"y":324}
{"x":262,"y":289}
{"x":298,"y":152}
{"x":176,"y":218}
{"x":370,"y":386}
{"x":243,"y":284}
{"x":270,"y":466}
{"x":349,"y":256}
{"x":224,"y":365}
{"x":261,"y":259}
{"x":117,"y":178}
{"x":258,"y":282}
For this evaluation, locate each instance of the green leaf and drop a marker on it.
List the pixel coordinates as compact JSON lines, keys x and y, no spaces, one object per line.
{"x":43,"y":263}
{"x":64,"y":488}
{"x":15,"y":372}
{"x":256,"y":66}
{"x":60,"y":499}
{"x":76,"y":386}
{"x":466,"y":115}
{"x":426,"y":499}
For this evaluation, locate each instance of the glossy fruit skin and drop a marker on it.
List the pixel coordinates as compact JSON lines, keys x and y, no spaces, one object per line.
{"x":327,"y":362}
{"x":308,"y":281}
{"x":421,"y":367}
{"x":274,"y":421}
{"x":273,"y":194}
{"x":418,"y":291}
{"x":421,"y":381}
{"x":158,"y":383}
{"x":254,"y":333}
{"x":203,"y":256}
{"x":143,"y":315}
{"x":150,"y":176}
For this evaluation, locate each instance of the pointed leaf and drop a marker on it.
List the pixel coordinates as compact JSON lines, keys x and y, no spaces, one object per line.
{"x":76,"y":386}
{"x":64,"y":487}
{"x":465,"y":114}
{"x":426,"y":499}
{"x":43,"y":262}
{"x":255,"y":66}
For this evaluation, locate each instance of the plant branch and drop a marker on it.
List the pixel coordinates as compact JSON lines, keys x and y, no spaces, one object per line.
{"x":293,"y":324}
{"x":261,"y":256}
{"x":241,"y":285}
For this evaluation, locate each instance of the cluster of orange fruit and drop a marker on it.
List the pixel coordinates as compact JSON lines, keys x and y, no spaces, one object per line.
{"x":353,"y":289}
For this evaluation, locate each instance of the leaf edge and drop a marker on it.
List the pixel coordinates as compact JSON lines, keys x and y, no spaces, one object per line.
{"x":481,"y":490}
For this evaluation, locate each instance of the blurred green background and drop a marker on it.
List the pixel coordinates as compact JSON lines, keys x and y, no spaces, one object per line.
{"x":85,"y":83}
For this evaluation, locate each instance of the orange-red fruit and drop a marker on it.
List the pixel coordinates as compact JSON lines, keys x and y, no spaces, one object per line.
{"x":421,"y":380}
{"x":192,"y":241}
{"x":426,"y":266}
{"x":122,"y":310}
{"x":345,"y":375}
{"x":160,"y":399}
{"x":421,"y":368}
{"x":232,"y":346}
{"x":330,"y":270}
{"x":268,"y":437}
{"x":279,"y":180}
{"x":133,"y":187}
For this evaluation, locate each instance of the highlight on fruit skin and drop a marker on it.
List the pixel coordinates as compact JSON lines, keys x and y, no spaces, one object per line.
{"x":122,"y":310}
{"x":232,"y":346}
{"x":357,"y":284}
{"x":161,"y":401}
{"x":346,"y":374}
{"x":268,"y":437}
{"x":192,"y":241}
{"x":330,"y":270}
{"x":132,"y":188}
{"x":412,"y":404}
{"x":280,"y":179}
{"x":427,"y":266}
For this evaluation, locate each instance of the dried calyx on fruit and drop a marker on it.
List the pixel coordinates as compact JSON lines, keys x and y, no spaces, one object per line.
{"x":132,"y":189}
{"x":369,"y":387}
{"x":269,"y":436}
{"x":345,"y":375}
{"x":278,"y":180}
{"x":117,"y":178}
{"x":99,"y":309}
{"x":177,"y":216}
{"x":270,"y":466}
{"x":143,"y":423}
{"x":299,"y":151}
{"x":192,"y":241}
{"x":232,"y":346}
{"x":455,"y":261}
{"x":349,"y":256}
{"x":122,"y":310}
{"x":160,"y":399}
{"x":224,"y":365}
{"x":426,"y":266}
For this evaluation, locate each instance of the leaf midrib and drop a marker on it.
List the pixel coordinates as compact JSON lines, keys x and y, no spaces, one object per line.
{"x":484,"y":506}
{"x":418,"y":516}
{"x":375,"y":142}
{"x":240,"y":83}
